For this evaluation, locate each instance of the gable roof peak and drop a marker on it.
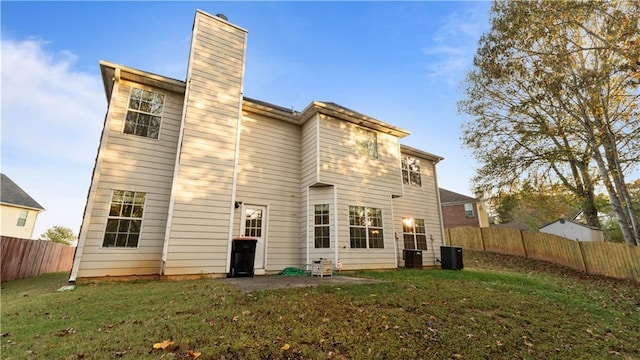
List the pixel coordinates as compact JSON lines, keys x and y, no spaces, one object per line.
{"x":12,"y":194}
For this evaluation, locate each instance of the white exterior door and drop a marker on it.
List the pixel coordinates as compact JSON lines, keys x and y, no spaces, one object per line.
{"x":254,"y":225}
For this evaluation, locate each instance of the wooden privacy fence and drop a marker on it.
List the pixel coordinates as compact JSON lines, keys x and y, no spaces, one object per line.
{"x":601,"y":258}
{"x":23,"y":258}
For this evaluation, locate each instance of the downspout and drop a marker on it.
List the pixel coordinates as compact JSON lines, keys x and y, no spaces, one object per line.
{"x":393,"y":229}
{"x":234,"y":179}
{"x":437,"y":188}
{"x":307,"y":232}
{"x":88,"y":211}
{"x":335,"y":222}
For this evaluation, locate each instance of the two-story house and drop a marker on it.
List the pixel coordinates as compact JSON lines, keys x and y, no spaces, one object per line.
{"x":183,"y":167}
{"x":18,"y":210}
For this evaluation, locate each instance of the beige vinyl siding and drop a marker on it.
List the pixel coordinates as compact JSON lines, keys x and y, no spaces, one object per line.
{"x":130,"y":162}
{"x":269,"y":175}
{"x":321,"y":195}
{"x":360,"y":181}
{"x":340,"y":164}
{"x":10,"y":215}
{"x":421,"y":203}
{"x":309,"y":151}
{"x":364,"y":258}
{"x":199,"y":230}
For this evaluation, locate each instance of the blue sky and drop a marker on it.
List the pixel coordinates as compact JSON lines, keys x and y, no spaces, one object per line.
{"x":399,"y":62}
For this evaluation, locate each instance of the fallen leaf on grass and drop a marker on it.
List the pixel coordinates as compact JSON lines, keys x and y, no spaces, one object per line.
{"x":285,"y":347}
{"x":194,"y":354}
{"x":121,"y":353}
{"x":163,"y":345}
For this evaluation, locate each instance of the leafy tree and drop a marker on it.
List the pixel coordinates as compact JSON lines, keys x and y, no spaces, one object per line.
{"x":554,"y":96}
{"x":536,"y":206}
{"x":60,"y":235}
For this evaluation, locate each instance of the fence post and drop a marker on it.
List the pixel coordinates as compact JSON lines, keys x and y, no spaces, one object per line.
{"x":524,"y":247}
{"x":482,"y":239}
{"x":582,"y":256}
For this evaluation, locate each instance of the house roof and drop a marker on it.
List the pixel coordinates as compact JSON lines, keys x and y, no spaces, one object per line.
{"x":419,"y":153}
{"x":562,"y":221}
{"x":450,"y":197}
{"x":12,"y":194}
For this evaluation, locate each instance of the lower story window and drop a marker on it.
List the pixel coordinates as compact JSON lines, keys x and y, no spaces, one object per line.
{"x":125,"y":219}
{"x":322,"y":237}
{"x":414,"y":233}
{"x":365,"y":227}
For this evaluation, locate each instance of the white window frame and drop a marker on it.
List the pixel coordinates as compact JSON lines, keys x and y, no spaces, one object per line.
{"x":22,"y":218}
{"x":134,"y":216}
{"x":321,"y":223}
{"x":468,"y":210}
{"x":366,"y":142}
{"x":155,"y":113}
{"x":414,"y":230}
{"x":361,"y":221}
{"x":411,"y":171}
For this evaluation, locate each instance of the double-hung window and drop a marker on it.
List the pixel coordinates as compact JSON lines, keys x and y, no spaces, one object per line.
{"x":125,"y":219}
{"x":322,"y":237}
{"x":144,"y":113}
{"x":22,"y":218}
{"x":411,"y":171}
{"x":365,"y":227}
{"x":366,"y":142}
{"x":468,"y":210}
{"x":414,"y":233}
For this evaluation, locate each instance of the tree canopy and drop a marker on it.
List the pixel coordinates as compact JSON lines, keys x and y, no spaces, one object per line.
{"x":554,"y":96}
{"x":59,"y":234}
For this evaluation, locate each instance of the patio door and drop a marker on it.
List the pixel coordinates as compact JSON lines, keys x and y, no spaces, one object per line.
{"x":254,"y":225}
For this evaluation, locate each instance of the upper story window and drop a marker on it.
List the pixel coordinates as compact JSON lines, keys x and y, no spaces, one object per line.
{"x":468,"y":210}
{"x":125,"y":219}
{"x":22,"y":218}
{"x":411,"y":171}
{"x":365,"y":227}
{"x":322,"y":237}
{"x":414,"y":233}
{"x":144,"y":113}
{"x":366,"y":143}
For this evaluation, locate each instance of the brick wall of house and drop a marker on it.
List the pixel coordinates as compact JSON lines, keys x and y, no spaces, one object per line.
{"x":453,"y":216}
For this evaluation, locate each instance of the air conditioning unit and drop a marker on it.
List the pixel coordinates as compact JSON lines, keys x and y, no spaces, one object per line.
{"x":451,"y":257}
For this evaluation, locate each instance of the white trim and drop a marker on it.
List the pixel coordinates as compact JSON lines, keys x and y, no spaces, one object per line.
{"x":308,"y":232}
{"x":393,"y":234}
{"x":335,"y":221}
{"x":234,"y":178}
{"x":93,"y":187}
{"x":318,"y":138}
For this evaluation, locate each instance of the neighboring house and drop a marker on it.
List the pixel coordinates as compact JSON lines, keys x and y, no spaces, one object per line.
{"x":462,"y":210}
{"x":19,"y":210}
{"x":183,"y":167}
{"x":573,"y":230}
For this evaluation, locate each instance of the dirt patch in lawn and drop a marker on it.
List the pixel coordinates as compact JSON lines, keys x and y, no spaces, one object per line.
{"x":270,"y":282}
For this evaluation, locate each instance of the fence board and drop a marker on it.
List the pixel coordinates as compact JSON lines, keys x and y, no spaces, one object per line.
{"x":609,"y":259}
{"x":467,"y":237}
{"x":503,"y":240}
{"x":554,"y":249}
{"x":24,"y":258}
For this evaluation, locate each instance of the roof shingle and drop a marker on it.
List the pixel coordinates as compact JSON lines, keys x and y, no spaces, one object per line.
{"x":11,"y":193}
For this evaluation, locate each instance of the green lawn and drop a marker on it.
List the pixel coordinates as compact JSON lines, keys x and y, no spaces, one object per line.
{"x":498,"y":307}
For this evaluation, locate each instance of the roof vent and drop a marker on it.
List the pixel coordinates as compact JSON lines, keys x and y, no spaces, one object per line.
{"x":222,"y":16}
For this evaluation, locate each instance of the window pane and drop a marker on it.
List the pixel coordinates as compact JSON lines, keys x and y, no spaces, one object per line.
{"x":133,"y":240}
{"x":109,"y":240}
{"x":121,"y":240}
{"x":358,"y":237}
{"x":405,"y":176}
{"x":112,"y":226}
{"x":123,"y":226}
{"x":421,"y":242}
{"x":415,"y":179}
{"x":376,"y":239}
{"x":409,"y":241}
{"x":420,"y":228}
